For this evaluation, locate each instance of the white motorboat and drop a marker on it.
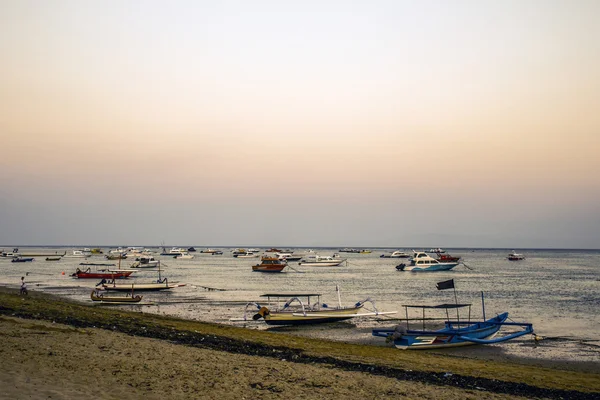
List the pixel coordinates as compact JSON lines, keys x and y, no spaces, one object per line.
{"x":146,"y":262}
{"x":321,"y":261}
{"x":423,"y":262}
{"x":184,"y":256}
{"x":248,"y":254}
{"x":396,"y":254}
{"x":77,"y":254}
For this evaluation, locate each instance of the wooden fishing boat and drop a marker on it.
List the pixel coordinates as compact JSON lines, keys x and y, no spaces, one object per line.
{"x":101,"y":274}
{"x":456,"y":333}
{"x":116,"y":256}
{"x":270,"y":264}
{"x":299,"y":309}
{"x":147,"y":287}
{"x":115,"y":299}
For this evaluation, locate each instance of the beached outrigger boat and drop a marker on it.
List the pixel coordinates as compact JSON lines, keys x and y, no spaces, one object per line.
{"x":101,"y":274}
{"x":96,"y":296}
{"x":455,"y":333}
{"x":298,"y":310}
{"x":161,"y":284}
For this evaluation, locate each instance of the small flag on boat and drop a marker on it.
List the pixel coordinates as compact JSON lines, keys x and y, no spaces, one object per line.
{"x":445,"y":285}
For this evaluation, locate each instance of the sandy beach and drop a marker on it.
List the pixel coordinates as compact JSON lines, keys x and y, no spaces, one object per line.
{"x":55,"y":349}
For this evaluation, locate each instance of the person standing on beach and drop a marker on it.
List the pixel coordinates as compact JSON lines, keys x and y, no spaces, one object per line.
{"x":23,"y":286}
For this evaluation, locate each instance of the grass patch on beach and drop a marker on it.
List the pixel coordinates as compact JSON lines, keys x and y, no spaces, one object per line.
{"x":51,"y":308}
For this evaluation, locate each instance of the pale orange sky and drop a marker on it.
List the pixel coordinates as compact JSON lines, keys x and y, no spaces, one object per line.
{"x":432,"y":111}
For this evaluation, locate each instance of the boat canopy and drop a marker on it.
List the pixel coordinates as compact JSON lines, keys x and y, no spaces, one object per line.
{"x":290,"y":295}
{"x":439,"y":306}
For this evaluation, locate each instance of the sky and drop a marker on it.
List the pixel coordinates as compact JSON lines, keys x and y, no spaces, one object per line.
{"x":285,"y":123}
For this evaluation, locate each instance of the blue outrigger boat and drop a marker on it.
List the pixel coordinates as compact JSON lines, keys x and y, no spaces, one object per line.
{"x":455,"y":333}
{"x":22,"y":259}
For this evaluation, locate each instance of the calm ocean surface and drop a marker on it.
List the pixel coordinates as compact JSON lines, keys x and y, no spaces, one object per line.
{"x":556,"y":290}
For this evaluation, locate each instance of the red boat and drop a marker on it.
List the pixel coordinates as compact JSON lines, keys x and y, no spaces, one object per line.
{"x":270,"y":264}
{"x":101,"y":274}
{"x":443,"y":257}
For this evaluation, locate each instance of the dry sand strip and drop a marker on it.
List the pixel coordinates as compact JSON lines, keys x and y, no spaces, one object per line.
{"x":341,"y":358}
{"x":42,"y":360}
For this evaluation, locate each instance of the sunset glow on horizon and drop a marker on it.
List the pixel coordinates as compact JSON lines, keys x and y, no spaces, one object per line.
{"x":383,"y":124}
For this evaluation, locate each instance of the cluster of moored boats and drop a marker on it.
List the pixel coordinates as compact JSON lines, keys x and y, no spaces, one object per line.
{"x":304,"y":308}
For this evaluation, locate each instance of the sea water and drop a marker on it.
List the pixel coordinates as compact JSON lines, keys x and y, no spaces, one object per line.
{"x":556,"y":290}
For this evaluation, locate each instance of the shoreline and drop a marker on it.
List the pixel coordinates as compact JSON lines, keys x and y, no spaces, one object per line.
{"x":502,"y":377}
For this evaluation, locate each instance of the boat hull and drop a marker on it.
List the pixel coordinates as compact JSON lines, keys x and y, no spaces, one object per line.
{"x":102,"y":275}
{"x":268,"y":268}
{"x":321,"y":264}
{"x":147,"y":287}
{"x":430,"y":268}
{"x":112,"y":299}
{"x":311,"y":317}
{"x":447,"y":337}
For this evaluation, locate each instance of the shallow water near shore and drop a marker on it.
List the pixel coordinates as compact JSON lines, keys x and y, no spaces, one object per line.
{"x":556,"y":290}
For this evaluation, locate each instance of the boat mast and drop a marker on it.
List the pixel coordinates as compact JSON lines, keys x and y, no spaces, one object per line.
{"x":483,"y":305}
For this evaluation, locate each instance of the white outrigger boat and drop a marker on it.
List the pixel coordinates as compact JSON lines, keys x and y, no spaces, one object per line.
{"x":160,"y":284}
{"x":298,"y":310}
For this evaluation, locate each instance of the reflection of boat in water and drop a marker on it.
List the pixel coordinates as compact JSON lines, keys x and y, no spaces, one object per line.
{"x":298,"y":310}
{"x":422,"y":262}
{"x":460,"y":332}
{"x":270,"y":264}
{"x":321,"y":261}
{"x":130,"y":298}
{"x":396,"y":254}
{"x":515,"y":256}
